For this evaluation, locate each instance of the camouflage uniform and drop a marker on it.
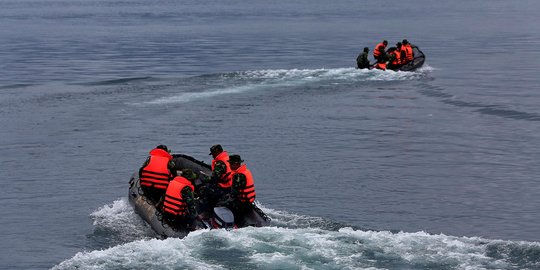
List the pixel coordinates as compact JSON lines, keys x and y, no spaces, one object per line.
{"x":362,"y":60}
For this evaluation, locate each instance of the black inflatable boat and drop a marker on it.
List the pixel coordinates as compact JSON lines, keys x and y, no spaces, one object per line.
{"x":416,"y":63}
{"x":218,"y":217}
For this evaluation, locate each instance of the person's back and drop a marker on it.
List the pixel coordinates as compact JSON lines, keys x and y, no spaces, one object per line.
{"x":362,"y":60}
{"x":407,"y":48}
{"x":179,"y":203}
{"x":379,"y":51}
{"x":156,"y":173}
{"x":395,"y":59}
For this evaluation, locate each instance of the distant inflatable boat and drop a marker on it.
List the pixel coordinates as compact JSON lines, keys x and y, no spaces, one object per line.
{"x":218,"y":217}
{"x":416,"y":63}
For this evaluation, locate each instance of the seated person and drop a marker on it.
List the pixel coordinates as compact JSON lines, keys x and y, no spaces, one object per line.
{"x":156,"y":172}
{"x":242,"y":193}
{"x":219,"y":184}
{"x":179,"y":204}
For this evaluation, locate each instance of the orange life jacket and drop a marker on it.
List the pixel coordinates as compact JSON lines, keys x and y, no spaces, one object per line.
{"x":381,"y":66}
{"x":247,"y":194}
{"x":408,"y":52}
{"x":156,"y":174}
{"x":397,"y":59}
{"x":225,"y":181}
{"x":174,"y":204}
{"x":378,"y":50}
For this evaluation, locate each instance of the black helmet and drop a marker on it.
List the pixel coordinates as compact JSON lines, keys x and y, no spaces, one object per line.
{"x":398,"y":44}
{"x":235,"y":159}
{"x":405,"y":42}
{"x":385,"y":42}
{"x":189,"y":174}
{"x":366,"y":49}
{"x":216,"y":149}
{"x":162,"y":147}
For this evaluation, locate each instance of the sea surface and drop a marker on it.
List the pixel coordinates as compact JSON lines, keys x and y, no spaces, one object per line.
{"x":358,"y":169}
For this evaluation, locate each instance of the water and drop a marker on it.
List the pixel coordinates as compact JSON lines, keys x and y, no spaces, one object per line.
{"x":433,"y":169}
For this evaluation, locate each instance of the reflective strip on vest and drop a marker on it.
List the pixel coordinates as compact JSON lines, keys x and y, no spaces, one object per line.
{"x":174,"y":204}
{"x":247,"y":194}
{"x":408,"y":52}
{"x":156,"y":174}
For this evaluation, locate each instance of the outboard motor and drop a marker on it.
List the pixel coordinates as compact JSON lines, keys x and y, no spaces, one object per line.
{"x":223,"y":218}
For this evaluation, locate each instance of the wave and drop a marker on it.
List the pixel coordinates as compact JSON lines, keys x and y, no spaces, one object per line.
{"x":262,"y":80}
{"x":297,"y":247}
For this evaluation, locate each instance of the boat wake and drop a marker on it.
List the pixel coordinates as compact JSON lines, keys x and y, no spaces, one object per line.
{"x":209,"y":86}
{"x":292,"y":242}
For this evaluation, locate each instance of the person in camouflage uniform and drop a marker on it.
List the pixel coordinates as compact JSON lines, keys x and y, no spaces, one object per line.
{"x":362,"y":60}
{"x":242,"y":194}
{"x":218,"y":185}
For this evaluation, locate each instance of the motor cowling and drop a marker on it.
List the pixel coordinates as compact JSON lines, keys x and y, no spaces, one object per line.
{"x":223,"y":218}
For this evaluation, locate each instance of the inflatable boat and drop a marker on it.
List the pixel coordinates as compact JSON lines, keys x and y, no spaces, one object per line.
{"x":216,"y":217}
{"x":416,"y":63}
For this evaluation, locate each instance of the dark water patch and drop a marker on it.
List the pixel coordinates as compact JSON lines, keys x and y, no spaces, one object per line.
{"x":222,"y":253}
{"x":434,"y":93}
{"x":460,"y":103}
{"x":16,"y":86}
{"x":512,"y":114}
{"x":495,"y":110}
{"x":116,"y":81}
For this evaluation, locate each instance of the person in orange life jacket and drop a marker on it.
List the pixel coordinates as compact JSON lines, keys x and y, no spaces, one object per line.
{"x":179,"y":203}
{"x":220,"y":166}
{"x":395,"y":57}
{"x":242,"y":193}
{"x":156,"y":172}
{"x":219,"y":184}
{"x":379,"y":51}
{"x":409,"y":54}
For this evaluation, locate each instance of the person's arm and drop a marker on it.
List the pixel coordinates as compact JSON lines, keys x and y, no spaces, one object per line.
{"x":238,"y":183}
{"x":172,"y":168}
{"x":219,"y":169}
{"x":187,"y":195}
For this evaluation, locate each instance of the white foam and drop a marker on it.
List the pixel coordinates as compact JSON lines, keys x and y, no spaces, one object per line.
{"x":119,"y":218}
{"x":263,"y":80}
{"x":143,"y":254}
{"x":422,"y":248}
{"x":187,"y":97}
{"x":284,"y":248}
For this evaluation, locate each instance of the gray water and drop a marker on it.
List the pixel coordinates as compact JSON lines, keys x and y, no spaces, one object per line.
{"x":432,"y":169}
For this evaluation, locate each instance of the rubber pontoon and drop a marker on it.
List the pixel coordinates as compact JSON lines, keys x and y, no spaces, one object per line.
{"x":221,"y":217}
